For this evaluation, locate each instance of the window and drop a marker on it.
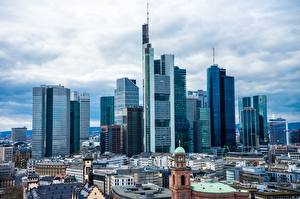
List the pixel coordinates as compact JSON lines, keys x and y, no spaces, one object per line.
{"x":173,"y":179}
{"x":182,"y":180}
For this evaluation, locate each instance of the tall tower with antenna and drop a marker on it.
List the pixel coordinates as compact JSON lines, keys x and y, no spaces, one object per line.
{"x":148,"y":88}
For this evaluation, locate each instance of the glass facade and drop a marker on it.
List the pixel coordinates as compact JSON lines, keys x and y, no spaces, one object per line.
{"x":260,"y":104}
{"x":198,"y":115}
{"x":74,"y":127}
{"x":126,"y":95}
{"x":50,"y":121}
{"x":181,"y":122}
{"x":84,"y":101}
{"x":249,"y":130}
{"x":107,"y":110}
{"x":220,"y":93}
{"x":277,"y":129}
{"x":132,"y":129}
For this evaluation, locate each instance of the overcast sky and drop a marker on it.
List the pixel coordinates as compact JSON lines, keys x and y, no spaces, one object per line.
{"x":86,"y":45}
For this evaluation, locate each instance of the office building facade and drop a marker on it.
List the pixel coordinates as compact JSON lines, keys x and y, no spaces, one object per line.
{"x":260,"y":104}
{"x":74,"y":124}
{"x":126,"y":95}
{"x":19,"y":134}
{"x":249,"y":130}
{"x":181,"y":122}
{"x":198,"y":115}
{"x":50,"y":121}
{"x":164,"y":137}
{"x":221,"y":102}
{"x":132,"y":130}
{"x":278,"y":131}
{"x":107,"y":110}
{"x":84,"y":101}
{"x":158,"y":88}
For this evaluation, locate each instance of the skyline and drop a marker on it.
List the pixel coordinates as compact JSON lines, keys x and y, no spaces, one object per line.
{"x":30,"y":55}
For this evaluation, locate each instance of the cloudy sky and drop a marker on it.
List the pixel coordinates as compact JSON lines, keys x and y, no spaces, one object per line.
{"x":86,"y":45}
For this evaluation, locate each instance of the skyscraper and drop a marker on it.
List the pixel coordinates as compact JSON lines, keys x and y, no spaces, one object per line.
{"x":220,"y":93}
{"x":74,"y":123}
{"x":164,"y":106}
{"x":158,"y":87}
{"x":181,"y":122}
{"x":50,"y":121}
{"x":278,"y":131}
{"x":243,"y":102}
{"x":148,"y":90}
{"x":198,"y":115}
{"x":84,"y":101}
{"x":132,"y":130}
{"x":260,"y":104}
{"x":249,"y":130}
{"x":107,"y":110}
{"x":126,"y":95}
{"x":19,"y":134}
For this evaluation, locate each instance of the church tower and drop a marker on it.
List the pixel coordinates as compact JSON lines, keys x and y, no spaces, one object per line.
{"x":179,"y":182}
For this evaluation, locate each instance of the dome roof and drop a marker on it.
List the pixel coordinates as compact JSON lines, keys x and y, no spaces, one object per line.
{"x":179,"y":150}
{"x":212,"y":187}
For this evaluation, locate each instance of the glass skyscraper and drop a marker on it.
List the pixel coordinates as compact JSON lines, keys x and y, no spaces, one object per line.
{"x":249,"y":130}
{"x":84,"y":101}
{"x":74,"y":124}
{"x":220,"y":93}
{"x":126,"y":95}
{"x":148,"y":90}
{"x":260,"y":104}
{"x":181,"y":122}
{"x":278,"y":131}
{"x":107,"y":110}
{"x":198,"y":115}
{"x":132,"y":130}
{"x":50,"y":121}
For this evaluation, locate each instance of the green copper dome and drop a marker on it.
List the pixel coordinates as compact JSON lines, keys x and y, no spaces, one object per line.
{"x":210,"y":186}
{"x":179,"y":150}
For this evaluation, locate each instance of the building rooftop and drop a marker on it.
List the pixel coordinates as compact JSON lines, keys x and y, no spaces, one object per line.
{"x":210,"y":186}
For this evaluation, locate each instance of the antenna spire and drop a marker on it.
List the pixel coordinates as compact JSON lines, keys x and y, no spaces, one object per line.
{"x":148,"y":13}
{"x":213,"y":56}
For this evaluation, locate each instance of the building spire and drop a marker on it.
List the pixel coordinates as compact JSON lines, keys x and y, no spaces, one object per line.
{"x":148,"y":13}
{"x":213,"y":56}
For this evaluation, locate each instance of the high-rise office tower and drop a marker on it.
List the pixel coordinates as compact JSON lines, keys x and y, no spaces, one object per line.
{"x":112,"y":139}
{"x":126,"y":95}
{"x":148,"y":90}
{"x":132,"y":130}
{"x":278,"y":131}
{"x":74,"y":123}
{"x":158,"y":87}
{"x":107,"y":110}
{"x":220,"y":93}
{"x":198,"y":115}
{"x":181,"y":122}
{"x":164,"y":137}
{"x":243,"y":102}
{"x":84,"y":101}
{"x":50,"y":121}
{"x":260,"y":104}
{"x":249,"y":129}
{"x":19,"y":134}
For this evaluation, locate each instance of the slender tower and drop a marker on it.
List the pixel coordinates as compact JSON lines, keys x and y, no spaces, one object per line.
{"x":148,"y":88}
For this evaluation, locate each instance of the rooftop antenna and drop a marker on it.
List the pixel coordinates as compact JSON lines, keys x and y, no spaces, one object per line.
{"x":213,"y":56}
{"x":148,"y":13}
